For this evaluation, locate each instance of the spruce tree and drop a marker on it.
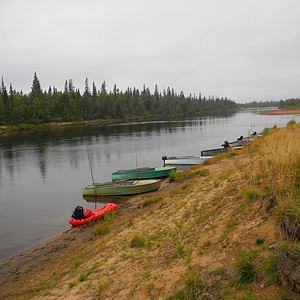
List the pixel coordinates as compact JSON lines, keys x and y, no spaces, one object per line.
{"x":71,"y":87}
{"x":5,"y":100}
{"x":36,"y":87}
{"x":103,"y":88}
{"x":66,"y":87}
{"x":94,"y":91}
{"x":86,"y":87}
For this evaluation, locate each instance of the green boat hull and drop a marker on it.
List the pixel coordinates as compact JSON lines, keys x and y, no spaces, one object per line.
{"x":127,"y":187}
{"x":143,"y":173}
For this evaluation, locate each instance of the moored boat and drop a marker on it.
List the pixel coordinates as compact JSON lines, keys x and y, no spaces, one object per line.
{"x":143,"y":173}
{"x":183,"y":160}
{"x":82,"y":215}
{"x":241,"y":141}
{"x":126,"y":187}
{"x":212,"y":152}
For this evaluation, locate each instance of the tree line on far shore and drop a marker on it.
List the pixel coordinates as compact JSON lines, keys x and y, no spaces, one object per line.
{"x":293,"y":103}
{"x":70,"y":105}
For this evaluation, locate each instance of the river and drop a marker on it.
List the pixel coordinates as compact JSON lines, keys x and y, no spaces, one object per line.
{"x":42,"y":173}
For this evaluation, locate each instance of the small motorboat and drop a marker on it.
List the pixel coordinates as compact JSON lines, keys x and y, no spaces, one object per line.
{"x":143,"y":173}
{"x":184,"y":160}
{"x":82,"y":215}
{"x":121,"y":187}
{"x":226,"y":147}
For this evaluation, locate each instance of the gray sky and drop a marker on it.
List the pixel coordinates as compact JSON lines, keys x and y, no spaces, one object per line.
{"x":243,"y":49}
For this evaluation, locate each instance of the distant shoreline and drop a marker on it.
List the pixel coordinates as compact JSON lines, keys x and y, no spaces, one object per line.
{"x":280,"y":112}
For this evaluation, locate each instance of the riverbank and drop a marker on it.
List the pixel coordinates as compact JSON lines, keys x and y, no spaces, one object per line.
{"x":187,"y":238}
{"x":22,"y":127}
{"x":280,"y":112}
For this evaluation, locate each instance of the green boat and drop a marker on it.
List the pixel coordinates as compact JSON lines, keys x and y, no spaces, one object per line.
{"x":126,"y":187}
{"x":143,"y":173}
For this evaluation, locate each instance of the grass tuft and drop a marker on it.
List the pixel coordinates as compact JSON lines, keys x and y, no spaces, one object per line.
{"x":137,"y":242}
{"x":259,"y":241}
{"x":251,"y":194}
{"x":245,"y":269}
{"x":101,"y":229}
{"x":195,"y":287}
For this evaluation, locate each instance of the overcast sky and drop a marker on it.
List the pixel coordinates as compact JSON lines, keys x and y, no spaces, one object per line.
{"x":243,"y":49}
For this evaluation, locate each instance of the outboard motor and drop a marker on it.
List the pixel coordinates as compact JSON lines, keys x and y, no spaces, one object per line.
{"x":226,"y":144}
{"x":164,"y":159}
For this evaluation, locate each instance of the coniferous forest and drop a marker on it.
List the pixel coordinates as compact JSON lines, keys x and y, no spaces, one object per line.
{"x":70,"y":105}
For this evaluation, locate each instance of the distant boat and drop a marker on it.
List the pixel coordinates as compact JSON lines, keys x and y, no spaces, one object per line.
{"x":143,"y":173}
{"x":241,"y":141}
{"x":126,"y":187}
{"x":183,"y":160}
{"x":212,"y":152}
{"x":226,"y":147}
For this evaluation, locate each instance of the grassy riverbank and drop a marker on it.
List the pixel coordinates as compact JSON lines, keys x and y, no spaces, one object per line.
{"x":226,"y":229}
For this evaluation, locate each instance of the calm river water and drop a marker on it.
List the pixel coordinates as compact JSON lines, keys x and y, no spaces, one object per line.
{"x":42,"y":173}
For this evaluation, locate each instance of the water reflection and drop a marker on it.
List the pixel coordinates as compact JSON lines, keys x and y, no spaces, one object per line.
{"x":107,"y":199}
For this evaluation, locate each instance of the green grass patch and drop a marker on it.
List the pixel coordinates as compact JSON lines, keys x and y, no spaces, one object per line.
{"x":72,"y":284}
{"x":251,"y":194}
{"x":181,"y":175}
{"x":219,"y":157}
{"x":83,"y":277}
{"x":259,"y":241}
{"x":101,"y":229}
{"x":231,"y":224}
{"x":137,"y":242}
{"x":152,"y":200}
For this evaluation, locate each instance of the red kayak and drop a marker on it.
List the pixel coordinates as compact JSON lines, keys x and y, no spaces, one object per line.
{"x":82,"y":215}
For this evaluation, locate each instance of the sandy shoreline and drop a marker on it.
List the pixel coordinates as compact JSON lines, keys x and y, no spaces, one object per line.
{"x":280,"y":112}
